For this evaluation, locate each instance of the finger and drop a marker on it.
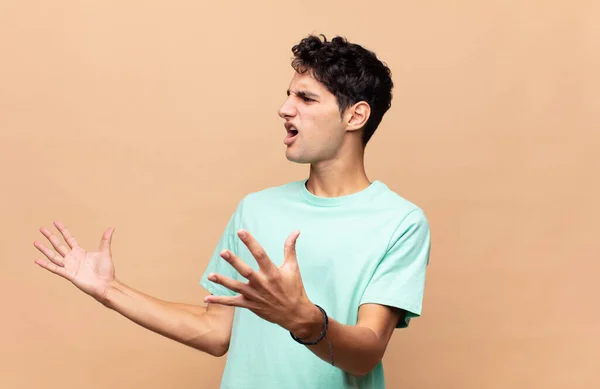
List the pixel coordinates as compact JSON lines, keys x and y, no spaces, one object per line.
{"x":50,"y":254}
{"x":242,"y":267}
{"x":258,"y":252}
{"x":56,"y":242}
{"x":289,"y":248}
{"x":71,"y":241}
{"x":106,"y":240}
{"x":52,"y":267}
{"x":229,"y":283}
{"x":232,"y":301}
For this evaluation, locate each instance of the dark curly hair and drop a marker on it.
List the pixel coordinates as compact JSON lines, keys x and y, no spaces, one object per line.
{"x":350,"y":72}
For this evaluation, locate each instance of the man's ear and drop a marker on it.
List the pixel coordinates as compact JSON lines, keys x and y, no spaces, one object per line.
{"x":357,"y":115}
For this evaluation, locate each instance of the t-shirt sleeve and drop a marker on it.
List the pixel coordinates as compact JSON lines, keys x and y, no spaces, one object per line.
{"x":399,"y":278}
{"x":229,"y":240}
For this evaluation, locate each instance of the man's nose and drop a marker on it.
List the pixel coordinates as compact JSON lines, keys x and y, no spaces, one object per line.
{"x":286,"y":110}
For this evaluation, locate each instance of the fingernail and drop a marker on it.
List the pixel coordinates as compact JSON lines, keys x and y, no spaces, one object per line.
{"x":242,"y":234}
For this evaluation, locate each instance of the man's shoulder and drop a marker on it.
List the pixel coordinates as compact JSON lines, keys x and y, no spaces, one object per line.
{"x":394,"y":202}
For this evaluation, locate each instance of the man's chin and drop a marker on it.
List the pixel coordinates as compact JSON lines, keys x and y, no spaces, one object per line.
{"x":295,"y":158}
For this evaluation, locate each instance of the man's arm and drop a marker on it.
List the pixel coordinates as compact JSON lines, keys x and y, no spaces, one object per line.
{"x":358,"y":348}
{"x":399,"y":276}
{"x":277,"y":294}
{"x":204,"y":327}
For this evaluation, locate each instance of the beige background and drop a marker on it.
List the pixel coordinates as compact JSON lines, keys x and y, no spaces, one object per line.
{"x":156,"y":117}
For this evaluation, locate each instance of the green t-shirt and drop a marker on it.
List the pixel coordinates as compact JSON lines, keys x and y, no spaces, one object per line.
{"x":371,"y":246}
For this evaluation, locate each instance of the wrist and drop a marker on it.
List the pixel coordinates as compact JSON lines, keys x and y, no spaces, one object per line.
{"x":107,"y":298}
{"x":309,"y":323}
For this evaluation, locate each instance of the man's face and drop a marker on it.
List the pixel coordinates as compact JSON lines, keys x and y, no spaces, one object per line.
{"x":312,"y":111}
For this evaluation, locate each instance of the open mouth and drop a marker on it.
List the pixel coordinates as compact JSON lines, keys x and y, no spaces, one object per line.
{"x":290,"y":136}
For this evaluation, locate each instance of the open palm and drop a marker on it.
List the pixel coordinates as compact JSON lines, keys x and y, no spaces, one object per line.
{"x":92,"y":272}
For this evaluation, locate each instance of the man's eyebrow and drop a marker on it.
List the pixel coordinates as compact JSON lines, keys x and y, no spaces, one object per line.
{"x":304,"y":93}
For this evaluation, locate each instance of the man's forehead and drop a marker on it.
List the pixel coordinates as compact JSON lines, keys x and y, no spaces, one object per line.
{"x":306,"y":83}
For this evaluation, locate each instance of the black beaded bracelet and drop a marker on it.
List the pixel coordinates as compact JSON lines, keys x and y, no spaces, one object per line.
{"x":323,"y":334}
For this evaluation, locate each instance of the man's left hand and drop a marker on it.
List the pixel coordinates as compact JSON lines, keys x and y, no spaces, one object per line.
{"x":276,"y":294}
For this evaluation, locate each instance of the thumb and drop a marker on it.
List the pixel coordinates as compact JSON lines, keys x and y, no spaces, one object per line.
{"x":289,"y":248}
{"x":106,"y":240}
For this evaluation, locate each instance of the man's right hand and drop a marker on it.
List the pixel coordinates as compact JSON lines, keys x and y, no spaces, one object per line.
{"x":205,"y":328}
{"x":91,"y":271}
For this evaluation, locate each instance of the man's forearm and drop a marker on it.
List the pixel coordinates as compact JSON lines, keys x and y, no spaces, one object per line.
{"x":187,"y":324}
{"x":356,"y":349}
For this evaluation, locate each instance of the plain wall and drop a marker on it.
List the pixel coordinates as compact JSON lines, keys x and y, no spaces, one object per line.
{"x":156,"y":117}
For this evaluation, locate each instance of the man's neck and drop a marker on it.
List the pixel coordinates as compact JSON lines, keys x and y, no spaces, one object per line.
{"x":334,"y":179}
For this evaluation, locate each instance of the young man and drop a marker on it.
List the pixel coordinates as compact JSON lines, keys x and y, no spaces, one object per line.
{"x":320,"y":312}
